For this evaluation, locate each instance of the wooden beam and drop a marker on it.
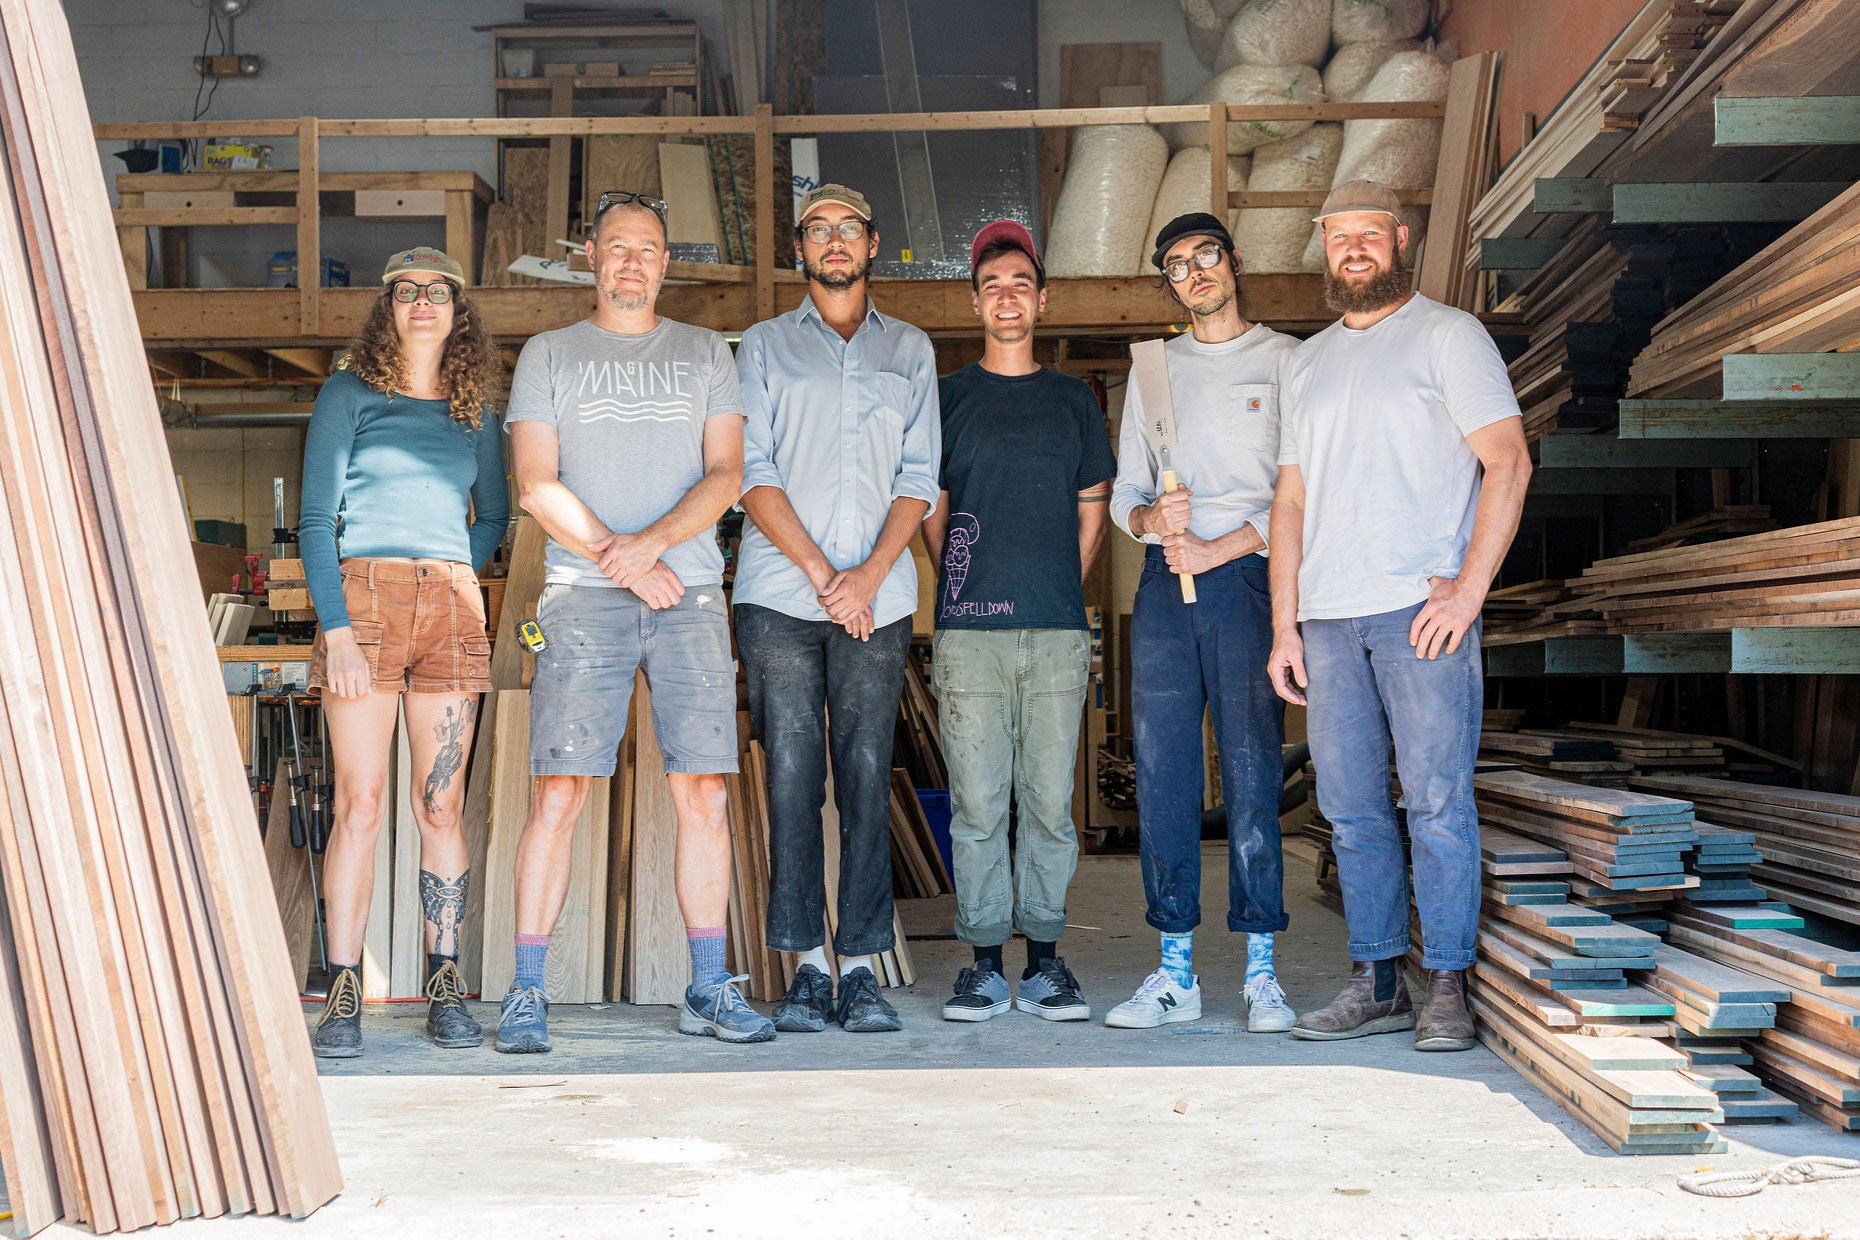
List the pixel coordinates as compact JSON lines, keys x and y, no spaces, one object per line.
{"x":1217,"y":159}
{"x":313,"y":362}
{"x":1584,"y":195}
{"x":201,"y":217}
{"x":1630,"y":481}
{"x":285,"y":182}
{"x":1602,"y":452}
{"x":1582,"y":656}
{"x":1522,"y":659}
{"x":1312,"y":197}
{"x":1825,"y":120}
{"x":1754,"y":419}
{"x":1796,"y":651}
{"x":238,"y":363}
{"x":1517,"y":253}
{"x":1724,"y":202}
{"x":1643,"y":653}
{"x":1792,"y":376}
{"x":765,"y":261}
{"x":309,"y":228}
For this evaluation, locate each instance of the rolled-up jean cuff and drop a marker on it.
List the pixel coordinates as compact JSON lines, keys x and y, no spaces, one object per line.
{"x":876,"y":946}
{"x":1039,"y":928}
{"x":1172,"y":925}
{"x":992,"y":935}
{"x":1387,"y":949}
{"x":593,"y":768}
{"x":1431,"y":959}
{"x":700,"y":766}
{"x":1241,"y":926}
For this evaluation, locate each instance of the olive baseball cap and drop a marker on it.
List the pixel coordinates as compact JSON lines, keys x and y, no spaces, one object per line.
{"x":1360,"y":196}
{"x":426,"y":259}
{"x":851,"y":199}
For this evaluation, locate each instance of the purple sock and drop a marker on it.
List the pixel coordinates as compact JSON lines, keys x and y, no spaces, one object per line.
{"x":532,"y":954}
{"x":706,"y":944}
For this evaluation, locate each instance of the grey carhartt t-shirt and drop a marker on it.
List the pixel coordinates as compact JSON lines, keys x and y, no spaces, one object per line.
{"x":629,"y":412}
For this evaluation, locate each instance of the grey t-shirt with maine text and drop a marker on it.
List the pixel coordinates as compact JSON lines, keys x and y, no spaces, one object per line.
{"x":629,"y":414}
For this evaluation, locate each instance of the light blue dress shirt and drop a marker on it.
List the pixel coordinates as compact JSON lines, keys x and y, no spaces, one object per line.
{"x":844,"y":427}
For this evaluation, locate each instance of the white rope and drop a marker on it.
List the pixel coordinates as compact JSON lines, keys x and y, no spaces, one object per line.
{"x":1747,"y":1183}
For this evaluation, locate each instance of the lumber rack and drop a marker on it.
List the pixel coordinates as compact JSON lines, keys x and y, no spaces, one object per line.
{"x":312,"y":316}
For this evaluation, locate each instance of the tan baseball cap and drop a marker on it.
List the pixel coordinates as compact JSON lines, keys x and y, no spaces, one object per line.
{"x":851,"y":199}
{"x":1360,"y":196}
{"x":423,"y":258}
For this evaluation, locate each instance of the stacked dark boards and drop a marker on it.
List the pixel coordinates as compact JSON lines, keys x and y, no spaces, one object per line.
{"x":153,"y":1063}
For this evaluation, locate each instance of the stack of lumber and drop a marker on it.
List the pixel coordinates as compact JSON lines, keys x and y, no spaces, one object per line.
{"x":1625,"y":847}
{"x":1714,"y":1009}
{"x":1643,"y":64}
{"x":916,"y":862}
{"x":1548,"y":753}
{"x":1725,"y":522}
{"x":153,"y":1060}
{"x":1502,"y":719}
{"x":1805,"y":574}
{"x":918,"y":743}
{"x":1552,"y":998}
{"x":1809,"y":841}
{"x":1812,"y":1054}
{"x":1536,"y":610}
{"x":1798,"y":295}
{"x":1468,"y":134}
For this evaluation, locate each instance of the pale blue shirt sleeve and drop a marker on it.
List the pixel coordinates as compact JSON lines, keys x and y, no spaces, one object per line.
{"x":758,"y":415}
{"x":922,"y":455}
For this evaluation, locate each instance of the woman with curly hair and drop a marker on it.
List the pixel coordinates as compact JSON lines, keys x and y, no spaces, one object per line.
{"x":404,"y":495}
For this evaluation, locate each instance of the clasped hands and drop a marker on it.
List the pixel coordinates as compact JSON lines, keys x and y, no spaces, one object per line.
{"x":1185,"y":551}
{"x":846,"y":595}
{"x":632,"y":561}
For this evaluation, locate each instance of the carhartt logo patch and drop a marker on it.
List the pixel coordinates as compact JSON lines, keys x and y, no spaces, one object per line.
{"x":1252,"y":404}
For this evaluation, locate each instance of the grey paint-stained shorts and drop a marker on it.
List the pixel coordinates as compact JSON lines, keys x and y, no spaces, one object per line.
{"x":597,"y":637}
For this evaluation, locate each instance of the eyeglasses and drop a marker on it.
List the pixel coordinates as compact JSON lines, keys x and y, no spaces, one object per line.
{"x":820,"y":234}
{"x":620,"y":197}
{"x":1204,"y":259}
{"x":439,"y":292}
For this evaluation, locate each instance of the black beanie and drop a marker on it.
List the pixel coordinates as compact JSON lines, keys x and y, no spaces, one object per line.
{"x":1194,"y":224}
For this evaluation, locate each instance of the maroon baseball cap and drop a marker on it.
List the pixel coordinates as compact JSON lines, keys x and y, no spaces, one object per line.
{"x":1010,"y":232}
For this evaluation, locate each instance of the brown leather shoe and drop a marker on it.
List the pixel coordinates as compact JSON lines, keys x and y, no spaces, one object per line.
{"x":1445,"y":1024}
{"x":1355,"y":1013}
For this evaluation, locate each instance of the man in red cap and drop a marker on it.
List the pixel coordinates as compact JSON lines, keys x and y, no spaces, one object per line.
{"x":1026,"y":471}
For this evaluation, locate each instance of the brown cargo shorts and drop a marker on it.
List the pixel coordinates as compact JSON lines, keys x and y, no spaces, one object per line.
{"x":419,"y":623}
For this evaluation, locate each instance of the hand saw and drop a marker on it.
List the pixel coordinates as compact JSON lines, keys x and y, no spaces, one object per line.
{"x":1149,"y":370}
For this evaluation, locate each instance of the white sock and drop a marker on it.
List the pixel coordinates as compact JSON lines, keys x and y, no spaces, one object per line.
{"x":849,"y":963}
{"x":816,"y":956}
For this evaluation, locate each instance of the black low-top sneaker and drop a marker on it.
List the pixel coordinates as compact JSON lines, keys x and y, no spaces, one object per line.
{"x":808,"y":1005}
{"x":448,"y":1022}
{"x":1052,"y":993}
{"x":980,"y":993}
{"x":862,"y":1009}
{"x":338,"y":1033}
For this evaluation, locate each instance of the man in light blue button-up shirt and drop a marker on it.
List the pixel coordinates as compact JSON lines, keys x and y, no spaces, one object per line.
{"x":841,"y":450}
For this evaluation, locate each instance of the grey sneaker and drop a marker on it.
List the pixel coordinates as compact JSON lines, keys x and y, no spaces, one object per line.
{"x":338,"y":1033}
{"x":1052,"y":993}
{"x":523,"y":1025}
{"x":721,"y":1012}
{"x":980,"y":993}
{"x":862,"y":1009}
{"x":447,"y":1021}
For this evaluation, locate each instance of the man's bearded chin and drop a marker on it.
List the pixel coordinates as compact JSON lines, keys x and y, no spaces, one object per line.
{"x":1383,"y":288}
{"x":843,"y":277}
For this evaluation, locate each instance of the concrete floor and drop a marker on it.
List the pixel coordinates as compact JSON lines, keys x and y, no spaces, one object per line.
{"x":1013,"y":1128}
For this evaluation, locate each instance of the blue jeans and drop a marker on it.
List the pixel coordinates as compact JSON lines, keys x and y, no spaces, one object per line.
{"x":814,"y":688}
{"x":1185,"y":658}
{"x":1367,"y":687}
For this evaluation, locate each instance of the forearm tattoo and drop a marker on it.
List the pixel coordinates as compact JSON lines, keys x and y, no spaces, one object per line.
{"x":451,"y":756}
{"x":444,"y":903}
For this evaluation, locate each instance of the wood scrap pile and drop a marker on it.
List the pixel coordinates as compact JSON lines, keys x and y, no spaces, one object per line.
{"x":916,"y":862}
{"x":917,"y":744}
{"x":1538,"y":609}
{"x":1798,"y":295}
{"x":1805,"y":574}
{"x":1809,"y":841}
{"x":153,"y":1062}
{"x":1812,"y":1054}
{"x":1558,"y":756}
{"x":1725,"y":522}
{"x":1714,"y":1009}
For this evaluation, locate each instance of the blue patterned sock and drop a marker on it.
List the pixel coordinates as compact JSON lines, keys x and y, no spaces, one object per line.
{"x":706,"y":944}
{"x":532,"y":954}
{"x":1178,"y":958}
{"x":1258,"y":954}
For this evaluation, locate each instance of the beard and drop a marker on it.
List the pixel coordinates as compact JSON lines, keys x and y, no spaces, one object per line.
{"x":846,"y":277}
{"x":1382,"y":288}
{"x":620,"y":297}
{"x":1212,"y":305}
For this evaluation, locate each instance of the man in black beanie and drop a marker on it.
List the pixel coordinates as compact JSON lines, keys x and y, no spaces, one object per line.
{"x":1223,"y":378}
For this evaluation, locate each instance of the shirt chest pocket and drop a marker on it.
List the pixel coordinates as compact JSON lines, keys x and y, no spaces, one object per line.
{"x":1254,"y":410}
{"x":888,"y":399}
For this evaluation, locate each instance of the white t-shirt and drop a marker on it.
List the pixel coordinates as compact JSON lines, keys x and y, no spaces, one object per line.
{"x":1226,"y":399}
{"x":1376,"y":421}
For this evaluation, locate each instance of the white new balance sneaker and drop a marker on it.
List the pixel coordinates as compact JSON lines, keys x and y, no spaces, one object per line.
{"x":1159,"y":1001}
{"x":1266,"y":1008}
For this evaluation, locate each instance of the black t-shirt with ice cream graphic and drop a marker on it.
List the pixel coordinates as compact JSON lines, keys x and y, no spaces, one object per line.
{"x":1017,"y":450}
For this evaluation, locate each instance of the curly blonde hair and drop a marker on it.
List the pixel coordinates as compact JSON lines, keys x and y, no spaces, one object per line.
{"x":470,"y":370}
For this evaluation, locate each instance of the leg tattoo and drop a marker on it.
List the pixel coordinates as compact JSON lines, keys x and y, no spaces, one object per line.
{"x":445,"y":909}
{"x":451,"y":755}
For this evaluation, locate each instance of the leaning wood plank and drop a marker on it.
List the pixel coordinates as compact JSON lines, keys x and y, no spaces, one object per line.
{"x":25,"y":1134}
{"x":656,"y":941}
{"x":407,"y":919}
{"x":620,"y":859}
{"x":290,"y":879}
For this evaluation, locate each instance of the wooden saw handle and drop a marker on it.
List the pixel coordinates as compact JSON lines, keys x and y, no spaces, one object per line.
{"x":1187,"y":579}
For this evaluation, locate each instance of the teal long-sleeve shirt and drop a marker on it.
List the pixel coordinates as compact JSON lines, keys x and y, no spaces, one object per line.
{"x":394,"y":477}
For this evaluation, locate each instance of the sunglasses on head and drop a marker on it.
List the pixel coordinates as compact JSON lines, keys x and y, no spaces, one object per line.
{"x":1205,"y":259}
{"x":439,"y":292}
{"x":620,"y":197}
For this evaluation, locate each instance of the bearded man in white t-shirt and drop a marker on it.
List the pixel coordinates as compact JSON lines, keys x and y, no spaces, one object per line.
{"x":1402,"y":470}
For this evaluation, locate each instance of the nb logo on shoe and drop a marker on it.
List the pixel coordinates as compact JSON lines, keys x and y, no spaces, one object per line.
{"x":1166,"y":1002}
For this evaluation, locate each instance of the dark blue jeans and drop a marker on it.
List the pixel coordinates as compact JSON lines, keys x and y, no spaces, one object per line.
{"x":813,"y":686}
{"x":1368,"y":688}
{"x":1187,"y":657}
